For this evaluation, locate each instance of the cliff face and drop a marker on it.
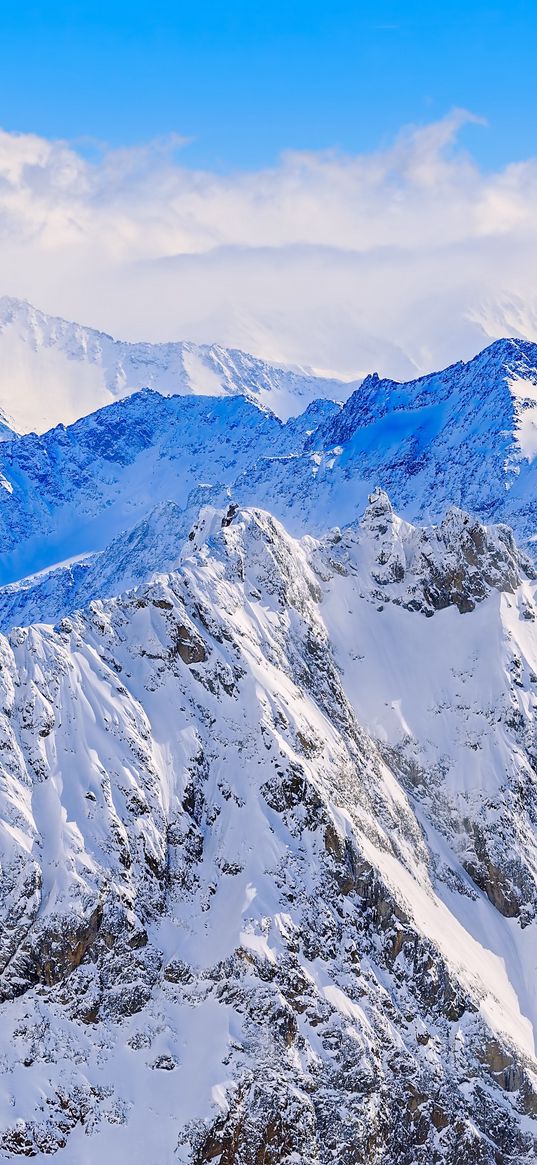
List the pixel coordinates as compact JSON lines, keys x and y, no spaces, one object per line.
{"x":268,"y":855}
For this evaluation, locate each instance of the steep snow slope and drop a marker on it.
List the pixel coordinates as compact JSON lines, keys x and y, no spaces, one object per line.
{"x":70,"y":491}
{"x":7,"y":433}
{"x":53,"y":371}
{"x":236,"y":926}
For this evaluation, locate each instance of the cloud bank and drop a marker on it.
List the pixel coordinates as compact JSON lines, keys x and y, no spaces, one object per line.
{"x":402,"y":259}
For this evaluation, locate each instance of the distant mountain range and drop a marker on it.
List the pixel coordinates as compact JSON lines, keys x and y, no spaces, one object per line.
{"x":53,"y":371}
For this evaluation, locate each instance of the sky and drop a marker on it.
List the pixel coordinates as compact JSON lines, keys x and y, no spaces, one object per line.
{"x":245,"y":81}
{"x":343,"y":185}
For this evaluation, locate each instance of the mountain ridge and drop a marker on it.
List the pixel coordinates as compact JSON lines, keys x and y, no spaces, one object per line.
{"x":465,"y":436}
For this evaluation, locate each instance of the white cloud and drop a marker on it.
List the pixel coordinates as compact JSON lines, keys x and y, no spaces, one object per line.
{"x":404,"y":257}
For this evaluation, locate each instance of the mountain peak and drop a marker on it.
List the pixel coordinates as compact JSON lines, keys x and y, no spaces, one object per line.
{"x":379,"y":506}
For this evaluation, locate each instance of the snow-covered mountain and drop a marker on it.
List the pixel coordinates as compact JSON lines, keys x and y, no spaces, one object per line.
{"x":53,"y":371}
{"x":269,"y":875}
{"x":268,"y":795}
{"x":71,"y":490}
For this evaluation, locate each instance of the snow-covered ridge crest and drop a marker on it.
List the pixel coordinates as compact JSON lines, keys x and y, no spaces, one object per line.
{"x":464,"y":436}
{"x":448,"y":439}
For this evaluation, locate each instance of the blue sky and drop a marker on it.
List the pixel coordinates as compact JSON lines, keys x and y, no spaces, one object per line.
{"x":337,"y":203}
{"x":245,"y":81}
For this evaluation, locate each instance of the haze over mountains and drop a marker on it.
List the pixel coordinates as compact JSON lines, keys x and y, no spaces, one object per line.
{"x":268,"y":757}
{"x":53,"y":371}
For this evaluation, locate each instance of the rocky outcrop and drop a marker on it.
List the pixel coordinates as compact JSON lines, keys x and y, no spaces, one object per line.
{"x":457,"y":563}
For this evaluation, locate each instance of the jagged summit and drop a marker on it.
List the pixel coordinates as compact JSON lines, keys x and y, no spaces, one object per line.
{"x":379,"y":509}
{"x":494,"y":372}
{"x":457,"y":562}
{"x":465,"y":436}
